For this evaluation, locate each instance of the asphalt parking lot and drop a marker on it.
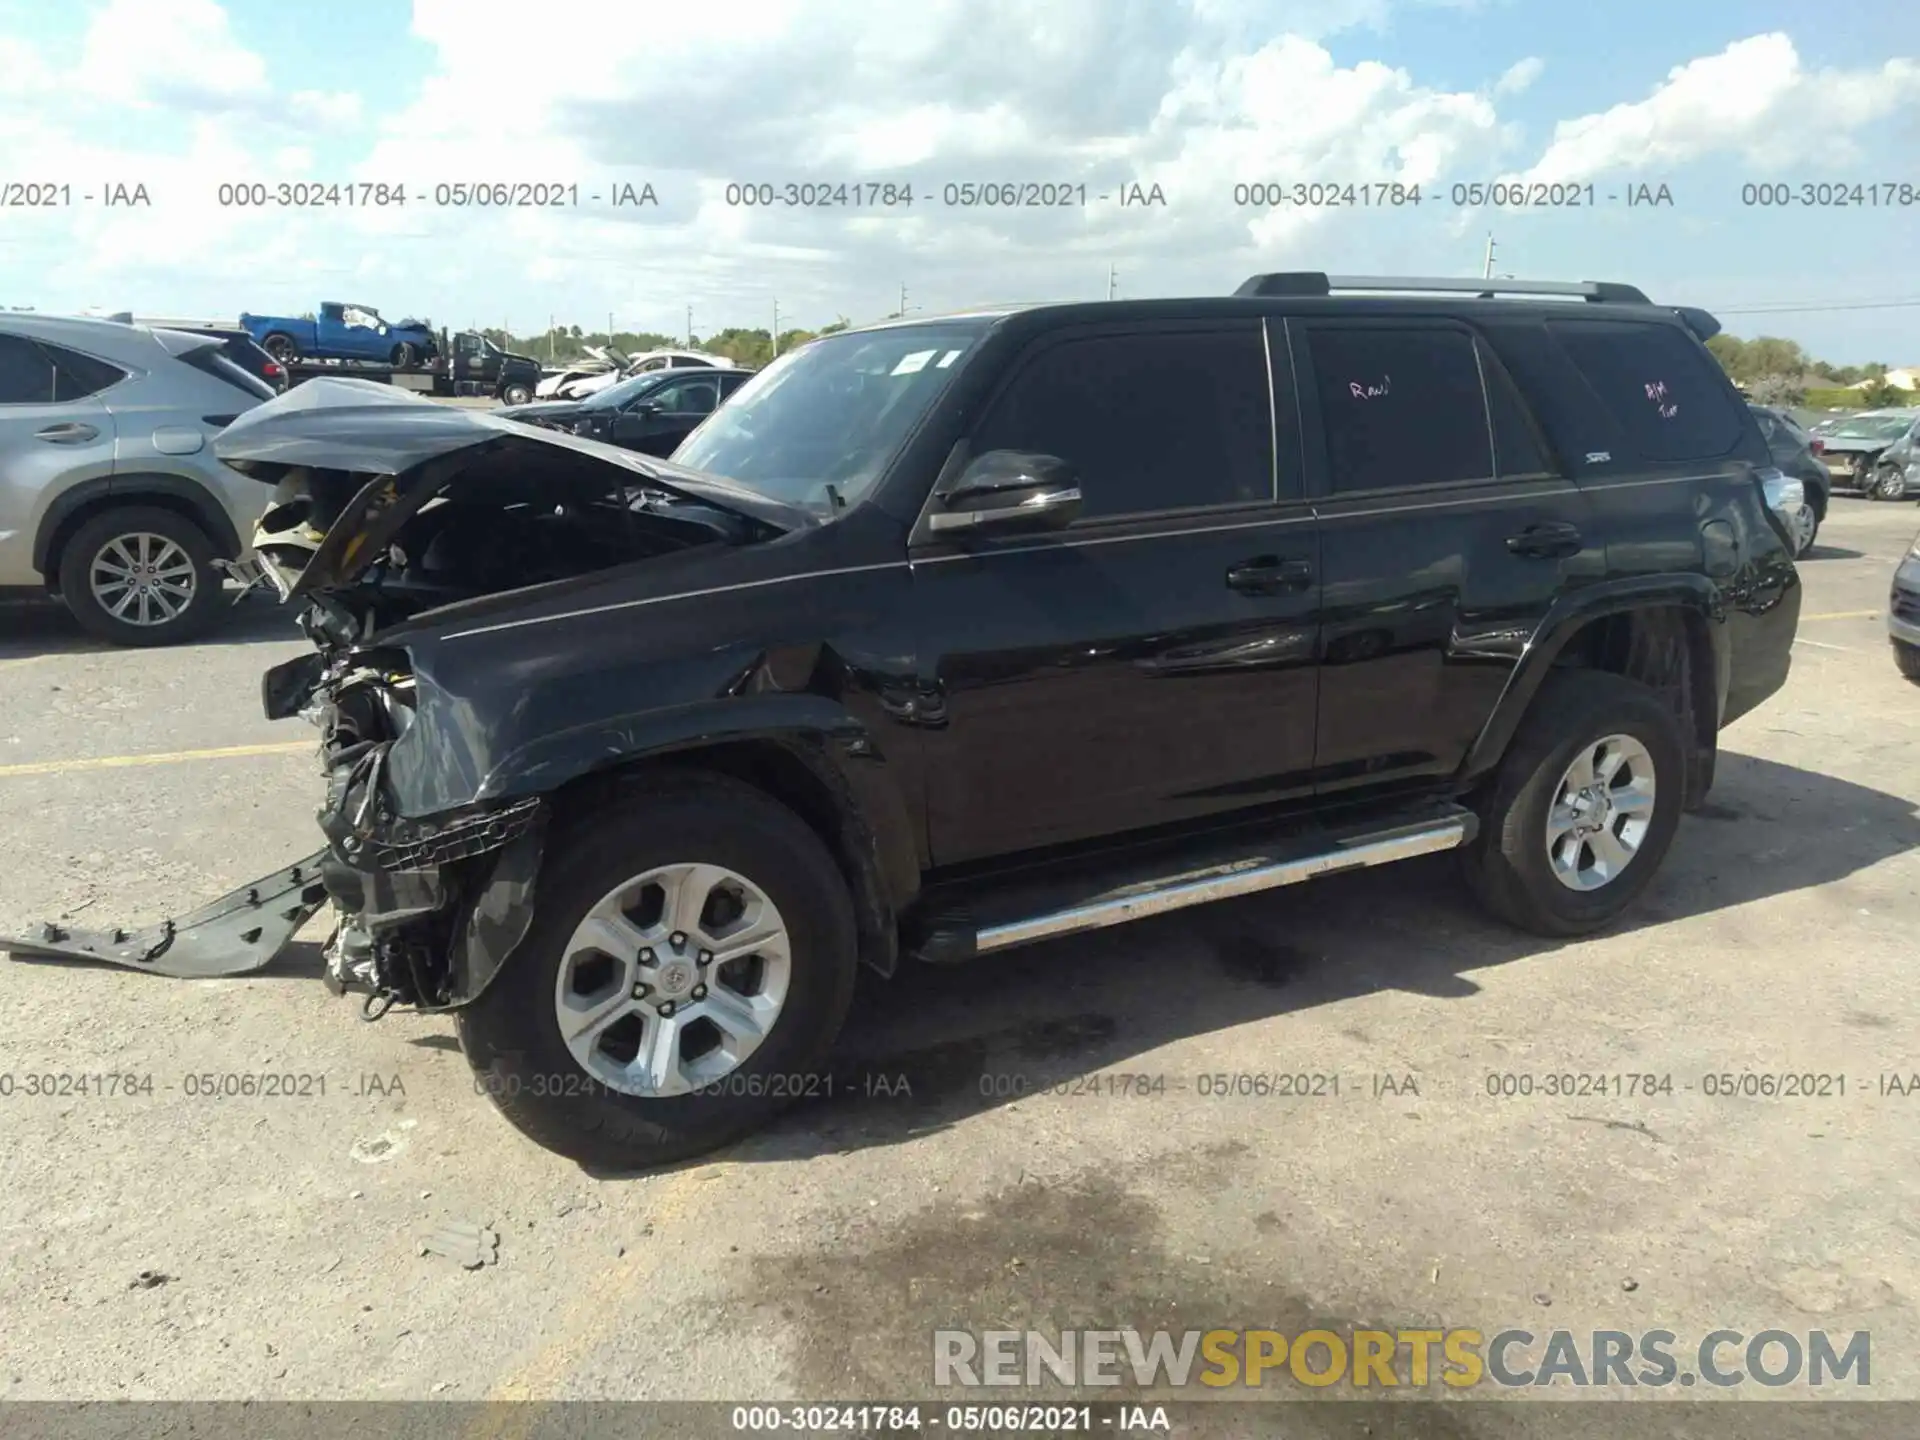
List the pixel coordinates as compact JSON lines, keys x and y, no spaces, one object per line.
{"x":280,"y":1235}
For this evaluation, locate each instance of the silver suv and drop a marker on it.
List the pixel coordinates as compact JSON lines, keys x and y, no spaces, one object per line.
{"x":110,"y":495}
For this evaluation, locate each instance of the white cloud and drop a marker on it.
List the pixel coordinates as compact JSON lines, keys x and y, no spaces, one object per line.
{"x":1519,"y":76}
{"x":1754,"y":100}
{"x":1194,"y":96}
{"x":181,"y":56}
{"x":178,"y":53}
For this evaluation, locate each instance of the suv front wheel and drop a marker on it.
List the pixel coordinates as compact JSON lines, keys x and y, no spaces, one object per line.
{"x":1583,"y":807}
{"x":141,"y":576}
{"x":690,"y":961}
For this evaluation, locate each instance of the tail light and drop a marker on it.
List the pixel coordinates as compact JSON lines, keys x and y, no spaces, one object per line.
{"x":1819,"y":445}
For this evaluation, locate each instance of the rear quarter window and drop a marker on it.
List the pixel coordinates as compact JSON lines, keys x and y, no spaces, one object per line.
{"x":1661,"y":388}
{"x":76,"y":376}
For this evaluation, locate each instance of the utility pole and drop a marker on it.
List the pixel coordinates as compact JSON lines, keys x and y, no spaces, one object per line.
{"x":776,"y":325}
{"x":1113,"y":276}
{"x":689,"y":327}
{"x":550,"y":350}
{"x":903,"y":299}
{"x":1487,"y":273}
{"x":609,"y":327}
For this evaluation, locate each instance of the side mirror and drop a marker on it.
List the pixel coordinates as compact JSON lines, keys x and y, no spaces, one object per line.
{"x":644,"y":407}
{"x":1008,"y":490}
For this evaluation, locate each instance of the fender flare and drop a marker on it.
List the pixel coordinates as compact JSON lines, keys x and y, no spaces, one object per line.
{"x":1571,"y":613}
{"x":131,"y":489}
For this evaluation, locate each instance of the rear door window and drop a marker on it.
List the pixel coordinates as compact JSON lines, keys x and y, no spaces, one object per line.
{"x":1401,"y":406}
{"x":1660,"y":386}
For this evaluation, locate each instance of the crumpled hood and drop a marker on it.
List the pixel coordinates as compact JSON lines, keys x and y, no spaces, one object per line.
{"x":408,"y":449}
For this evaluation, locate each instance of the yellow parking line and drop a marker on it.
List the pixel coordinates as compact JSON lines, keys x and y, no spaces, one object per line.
{"x":172,"y":757}
{"x":584,"y":1323}
{"x":1845,"y":615}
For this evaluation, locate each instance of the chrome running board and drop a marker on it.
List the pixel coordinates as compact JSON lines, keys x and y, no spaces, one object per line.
{"x":1244,"y":876}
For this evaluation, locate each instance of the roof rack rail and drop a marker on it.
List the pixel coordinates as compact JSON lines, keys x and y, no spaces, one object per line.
{"x":1314,"y":282}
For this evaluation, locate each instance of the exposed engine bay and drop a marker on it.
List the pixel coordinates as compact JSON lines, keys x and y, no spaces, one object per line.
{"x":427,"y":904}
{"x":429,"y":908}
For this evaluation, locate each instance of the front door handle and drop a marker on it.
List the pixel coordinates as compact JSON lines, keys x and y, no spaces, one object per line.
{"x":71,"y":432}
{"x":1269,"y":575}
{"x":1554,"y":540}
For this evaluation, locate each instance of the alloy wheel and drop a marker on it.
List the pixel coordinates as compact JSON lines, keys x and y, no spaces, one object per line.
{"x":142,"y":579}
{"x":672,"y":980}
{"x":1601,"y":812}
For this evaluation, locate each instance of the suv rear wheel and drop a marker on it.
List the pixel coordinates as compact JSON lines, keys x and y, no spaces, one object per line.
{"x":141,"y":576}
{"x":1582,"y":809}
{"x":689,"y":964}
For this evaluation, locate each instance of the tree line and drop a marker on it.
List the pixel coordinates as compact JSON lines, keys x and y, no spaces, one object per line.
{"x":565,"y":344}
{"x":1775,"y":371}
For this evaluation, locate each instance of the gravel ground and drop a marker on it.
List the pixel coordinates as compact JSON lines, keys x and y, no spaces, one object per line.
{"x":280,"y":1236}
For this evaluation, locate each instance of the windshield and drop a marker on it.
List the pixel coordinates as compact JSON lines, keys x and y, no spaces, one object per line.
{"x":819,"y":425}
{"x":1879,"y":427}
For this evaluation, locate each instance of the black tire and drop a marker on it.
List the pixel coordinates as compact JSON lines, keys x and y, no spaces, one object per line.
{"x":404,"y":356}
{"x":282,"y":347}
{"x":517,"y":393}
{"x":76,"y":563}
{"x":511,"y":1036}
{"x":1907,"y":657}
{"x":1507,"y":866}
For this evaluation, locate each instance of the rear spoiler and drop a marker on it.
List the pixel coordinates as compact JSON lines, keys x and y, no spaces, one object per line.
{"x":1703,"y":325}
{"x":186,"y":342}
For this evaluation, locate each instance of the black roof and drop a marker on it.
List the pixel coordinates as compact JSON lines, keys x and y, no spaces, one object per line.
{"x":1307,"y":292}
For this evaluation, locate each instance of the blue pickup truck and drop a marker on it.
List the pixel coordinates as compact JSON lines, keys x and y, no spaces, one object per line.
{"x":345,"y":332}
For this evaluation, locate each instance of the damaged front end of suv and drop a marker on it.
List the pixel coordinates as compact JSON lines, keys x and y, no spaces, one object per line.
{"x":396,"y":523}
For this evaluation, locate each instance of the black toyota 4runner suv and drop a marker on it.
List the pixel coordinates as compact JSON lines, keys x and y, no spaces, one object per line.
{"x":951,"y":634}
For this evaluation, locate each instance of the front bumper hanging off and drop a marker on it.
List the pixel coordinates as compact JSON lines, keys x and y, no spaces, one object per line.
{"x":240,"y":932}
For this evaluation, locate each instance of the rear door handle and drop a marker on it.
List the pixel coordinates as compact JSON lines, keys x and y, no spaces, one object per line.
{"x":70,"y":432}
{"x":1269,"y":575}
{"x":1552,"y":541}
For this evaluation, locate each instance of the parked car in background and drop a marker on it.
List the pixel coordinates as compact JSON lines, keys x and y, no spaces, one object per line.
{"x":598,"y":362}
{"x":240,"y":348}
{"x":1854,"y":447}
{"x":651,"y":413}
{"x":110,"y":495}
{"x":1796,"y":452}
{"x":643,"y":364}
{"x":1903,"y":613}
{"x":1903,"y":457}
{"x":344,"y":331}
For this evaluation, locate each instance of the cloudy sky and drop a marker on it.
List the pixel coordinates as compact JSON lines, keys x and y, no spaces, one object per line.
{"x":1196,"y":97}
